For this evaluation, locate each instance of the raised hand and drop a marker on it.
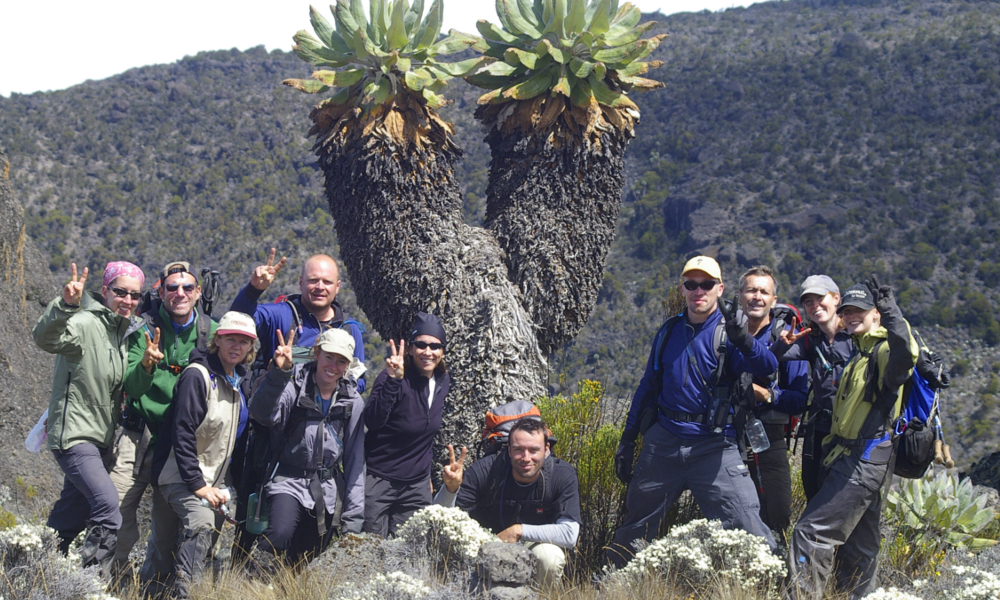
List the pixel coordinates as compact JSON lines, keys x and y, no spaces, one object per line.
{"x":265,"y":274}
{"x":789,"y":337}
{"x":283,"y":353}
{"x":737,"y":327}
{"x":453,"y":471}
{"x":152,"y":356}
{"x":394,"y":363}
{"x":72,"y":292}
{"x":881,"y":294}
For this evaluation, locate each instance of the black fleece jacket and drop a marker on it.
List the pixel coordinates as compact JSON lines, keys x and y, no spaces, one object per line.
{"x":401,"y":427}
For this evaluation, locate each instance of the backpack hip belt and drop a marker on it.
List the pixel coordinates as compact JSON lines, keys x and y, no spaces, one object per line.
{"x":686,"y":417}
{"x":323,"y":473}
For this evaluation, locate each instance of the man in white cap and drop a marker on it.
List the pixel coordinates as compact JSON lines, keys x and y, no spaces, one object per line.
{"x":683,"y":410}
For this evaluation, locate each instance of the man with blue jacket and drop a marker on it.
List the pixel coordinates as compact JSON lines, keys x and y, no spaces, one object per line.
{"x":310,"y":312}
{"x":777,"y":398}
{"x":691,"y":443}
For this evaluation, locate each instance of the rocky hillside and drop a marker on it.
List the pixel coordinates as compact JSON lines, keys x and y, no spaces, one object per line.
{"x":26,"y":286}
{"x":843,"y":137}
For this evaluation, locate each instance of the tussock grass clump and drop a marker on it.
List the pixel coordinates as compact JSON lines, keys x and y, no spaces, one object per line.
{"x":33,"y":568}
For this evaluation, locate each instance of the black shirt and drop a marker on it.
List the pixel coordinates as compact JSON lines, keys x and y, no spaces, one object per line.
{"x":554,"y":495}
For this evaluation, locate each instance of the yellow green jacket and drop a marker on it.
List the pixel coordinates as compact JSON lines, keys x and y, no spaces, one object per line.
{"x":853,"y":418}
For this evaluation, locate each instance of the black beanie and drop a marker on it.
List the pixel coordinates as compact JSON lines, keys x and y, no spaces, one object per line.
{"x":427,"y":324}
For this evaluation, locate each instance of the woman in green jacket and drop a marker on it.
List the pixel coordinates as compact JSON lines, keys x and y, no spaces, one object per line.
{"x":88,"y":333}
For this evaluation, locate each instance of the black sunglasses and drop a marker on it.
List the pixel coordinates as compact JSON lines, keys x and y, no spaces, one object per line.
{"x":172,"y":287}
{"x":122,"y":293}
{"x":425,"y":345}
{"x":706,"y":285}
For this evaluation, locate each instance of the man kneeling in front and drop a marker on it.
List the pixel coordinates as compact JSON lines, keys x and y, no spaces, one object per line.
{"x":522,"y":494}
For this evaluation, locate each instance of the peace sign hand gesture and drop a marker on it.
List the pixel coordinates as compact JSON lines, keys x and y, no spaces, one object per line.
{"x":453,"y":471}
{"x":265,"y":274}
{"x":789,"y":337}
{"x":152,"y":356}
{"x":283,"y":353}
{"x":394,"y":363}
{"x":72,"y":292}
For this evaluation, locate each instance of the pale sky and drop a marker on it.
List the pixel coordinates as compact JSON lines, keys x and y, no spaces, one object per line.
{"x":55,"y":44}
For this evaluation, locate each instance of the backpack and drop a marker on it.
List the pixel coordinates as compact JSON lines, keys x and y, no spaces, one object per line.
{"x":737,"y":395}
{"x":500,"y":419}
{"x":918,"y":427}
{"x":261,"y":457}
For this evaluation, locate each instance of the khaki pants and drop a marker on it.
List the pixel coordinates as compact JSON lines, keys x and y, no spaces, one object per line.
{"x":181,"y":536}
{"x":131,"y":486}
{"x":551,"y":562}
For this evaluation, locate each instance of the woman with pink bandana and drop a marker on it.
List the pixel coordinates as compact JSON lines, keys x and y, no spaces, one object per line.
{"x":89,"y":334}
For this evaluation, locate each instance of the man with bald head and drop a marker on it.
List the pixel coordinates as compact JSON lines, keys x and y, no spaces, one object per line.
{"x":310,"y":312}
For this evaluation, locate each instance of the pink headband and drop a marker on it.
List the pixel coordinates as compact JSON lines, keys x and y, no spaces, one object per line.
{"x":116,"y":269}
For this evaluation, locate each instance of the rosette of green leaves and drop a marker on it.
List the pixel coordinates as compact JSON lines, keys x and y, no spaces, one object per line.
{"x":372,"y":57}
{"x":939,"y":509}
{"x":585,"y":51}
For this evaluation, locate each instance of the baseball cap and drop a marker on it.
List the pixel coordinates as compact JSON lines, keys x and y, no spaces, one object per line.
{"x":239,"y":323}
{"x":703,"y":263}
{"x":177,"y":266}
{"x":336,"y":341}
{"x":856,"y":295}
{"x":820,"y":285}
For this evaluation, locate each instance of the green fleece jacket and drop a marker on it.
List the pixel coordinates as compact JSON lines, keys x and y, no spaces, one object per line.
{"x":90,"y":342}
{"x":150,"y":394}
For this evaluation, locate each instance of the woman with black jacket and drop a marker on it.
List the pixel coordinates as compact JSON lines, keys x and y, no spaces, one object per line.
{"x":827,"y":347}
{"x":316,"y":419}
{"x":403,"y":416}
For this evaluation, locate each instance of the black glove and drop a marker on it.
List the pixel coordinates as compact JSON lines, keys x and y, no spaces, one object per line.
{"x":930,"y":365}
{"x":882,"y":294}
{"x":625,"y":456}
{"x":736,"y":325}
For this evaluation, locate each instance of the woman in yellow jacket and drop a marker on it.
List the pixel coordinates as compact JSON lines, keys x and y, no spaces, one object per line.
{"x":841,"y":523}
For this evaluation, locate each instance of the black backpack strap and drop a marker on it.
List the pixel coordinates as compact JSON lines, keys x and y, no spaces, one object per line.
{"x":494,"y":479}
{"x":296,"y":317}
{"x":204,"y":326}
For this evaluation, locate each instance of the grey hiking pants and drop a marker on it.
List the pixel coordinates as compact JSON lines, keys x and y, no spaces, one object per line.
{"x":181,"y":536}
{"x":710,"y":467}
{"x":388,"y":504}
{"x":88,"y":495}
{"x":839,"y":530}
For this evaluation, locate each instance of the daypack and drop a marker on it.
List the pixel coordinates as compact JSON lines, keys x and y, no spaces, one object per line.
{"x":500,"y":419}
{"x":261,"y":458}
{"x":496,"y":433}
{"x":918,"y":427}
{"x":727,"y":395}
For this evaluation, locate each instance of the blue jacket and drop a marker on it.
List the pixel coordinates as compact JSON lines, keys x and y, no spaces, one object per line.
{"x":272,"y":317}
{"x":682,"y":389}
{"x":791,"y":391}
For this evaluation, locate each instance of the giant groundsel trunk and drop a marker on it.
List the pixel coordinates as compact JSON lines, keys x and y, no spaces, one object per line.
{"x":397,"y":211}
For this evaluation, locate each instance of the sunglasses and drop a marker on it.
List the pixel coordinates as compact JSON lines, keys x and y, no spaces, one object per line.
{"x":706,"y":285}
{"x":173,"y":287}
{"x":425,"y":345}
{"x":122,"y":293}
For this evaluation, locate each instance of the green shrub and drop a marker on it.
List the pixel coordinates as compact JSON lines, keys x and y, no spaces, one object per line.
{"x":588,"y":433}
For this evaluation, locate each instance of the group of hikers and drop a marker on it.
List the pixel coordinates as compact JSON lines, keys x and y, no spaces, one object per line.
{"x":259,"y":418}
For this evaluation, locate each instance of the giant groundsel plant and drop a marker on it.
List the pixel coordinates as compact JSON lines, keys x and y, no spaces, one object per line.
{"x":372,"y":56}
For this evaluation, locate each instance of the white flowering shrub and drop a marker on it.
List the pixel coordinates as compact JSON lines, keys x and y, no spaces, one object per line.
{"x":33,"y":568}
{"x":447,"y":534}
{"x":393,"y":586}
{"x":702,"y":551}
{"x":890,"y":594}
{"x":975,"y":584}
